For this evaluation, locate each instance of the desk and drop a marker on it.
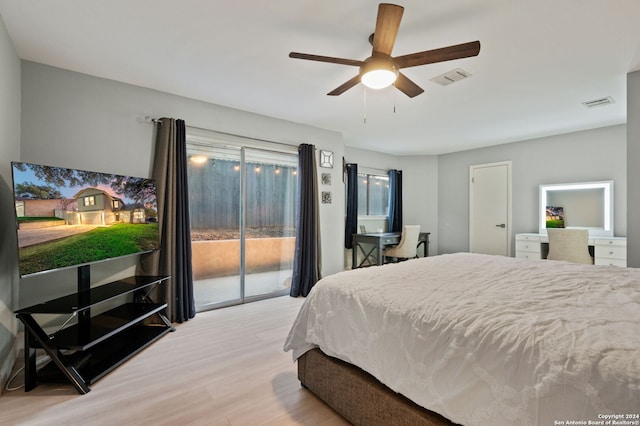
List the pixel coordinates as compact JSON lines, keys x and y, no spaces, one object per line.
{"x":605,"y":250}
{"x":378,"y":241}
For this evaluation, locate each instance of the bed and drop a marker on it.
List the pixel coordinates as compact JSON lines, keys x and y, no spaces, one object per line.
{"x":474,"y":340}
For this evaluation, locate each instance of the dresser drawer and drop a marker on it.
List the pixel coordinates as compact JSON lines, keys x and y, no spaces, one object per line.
{"x":528,"y":237}
{"x":528,"y":246}
{"x":610,"y":262}
{"x":611,"y":252}
{"x":527,"y":255}
{"x":605,"y":242}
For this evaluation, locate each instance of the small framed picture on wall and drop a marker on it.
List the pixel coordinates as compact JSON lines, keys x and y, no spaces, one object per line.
{"x":326,"y":159}
{"x":326,"y":179}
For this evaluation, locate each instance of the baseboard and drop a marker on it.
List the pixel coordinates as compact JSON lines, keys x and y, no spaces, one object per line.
{"x":7,"y":366}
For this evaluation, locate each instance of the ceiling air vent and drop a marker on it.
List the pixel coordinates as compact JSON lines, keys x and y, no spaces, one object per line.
{"x":599,"y":102}
{"x":451,"y":77}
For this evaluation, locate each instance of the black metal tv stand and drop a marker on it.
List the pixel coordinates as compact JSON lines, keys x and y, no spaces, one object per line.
{"x":84,"y":352}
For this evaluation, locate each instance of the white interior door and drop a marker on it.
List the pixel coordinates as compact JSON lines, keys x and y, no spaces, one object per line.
{"x":490,"y":208}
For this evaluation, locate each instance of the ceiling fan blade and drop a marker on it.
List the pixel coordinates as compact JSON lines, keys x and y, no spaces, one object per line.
{"x":329,"y":59}
{"x":407,"y":86}
{"x":387,"y":25}
{"x":346,"y":86}
{"x":443,"y":54}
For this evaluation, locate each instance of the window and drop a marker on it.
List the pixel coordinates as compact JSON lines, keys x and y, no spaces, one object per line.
{"x":373,"y":195}
{"x":242,"y":213}
{"x":116,"y":204}
{"x":90,"y":200}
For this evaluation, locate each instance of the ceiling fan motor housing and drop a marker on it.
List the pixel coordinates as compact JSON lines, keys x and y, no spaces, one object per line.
{"x":378,"y":71}
{"x":379,"y":62}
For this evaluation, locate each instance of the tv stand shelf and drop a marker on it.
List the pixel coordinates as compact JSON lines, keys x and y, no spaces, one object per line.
{"x":84,"y":352}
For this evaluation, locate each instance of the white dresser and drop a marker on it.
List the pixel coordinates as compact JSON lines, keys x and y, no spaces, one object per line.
{"x":606,"y":250}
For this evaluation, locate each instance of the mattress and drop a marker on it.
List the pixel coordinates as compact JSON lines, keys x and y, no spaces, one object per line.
{"x":486,"y":339}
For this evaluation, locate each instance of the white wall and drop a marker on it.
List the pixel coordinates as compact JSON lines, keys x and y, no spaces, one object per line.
{"x":420,"y":195}
{"x":633,"y":169}
{"x":9,"y":150}
{"x":591,"y":155}
{"x":78,"y":121}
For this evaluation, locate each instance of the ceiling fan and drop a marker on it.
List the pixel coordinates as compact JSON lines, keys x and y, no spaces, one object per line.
{"x":381,"y":69}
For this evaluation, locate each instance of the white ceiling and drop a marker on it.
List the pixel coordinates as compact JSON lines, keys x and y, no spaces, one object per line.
{"x":538,"y":62}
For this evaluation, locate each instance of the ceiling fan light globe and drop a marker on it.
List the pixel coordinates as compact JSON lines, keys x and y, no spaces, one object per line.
{"x":379,"y":78}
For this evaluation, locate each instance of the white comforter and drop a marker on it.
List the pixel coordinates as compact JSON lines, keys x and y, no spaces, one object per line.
{"x":486,"y":340}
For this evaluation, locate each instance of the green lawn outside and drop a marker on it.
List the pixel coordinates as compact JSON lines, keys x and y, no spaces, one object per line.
{"x":555,"y":224}
{"x":101,"y":243}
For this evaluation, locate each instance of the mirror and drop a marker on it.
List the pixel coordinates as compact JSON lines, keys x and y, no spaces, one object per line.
{"x":578,"y":205}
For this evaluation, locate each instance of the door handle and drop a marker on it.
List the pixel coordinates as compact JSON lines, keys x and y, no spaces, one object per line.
{"x":502,"y":225}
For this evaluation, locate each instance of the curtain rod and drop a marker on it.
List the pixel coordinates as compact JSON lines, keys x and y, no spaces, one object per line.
{"x":148,"y":120}
{"x":158,"y":121}
{"x":364,"y":168}
{"x":251,"y":138}
{"x":375,"y":168}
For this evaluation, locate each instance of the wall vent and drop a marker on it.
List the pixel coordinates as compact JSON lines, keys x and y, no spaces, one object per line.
{"x":451,"y":77}
{"x":599,"y":102}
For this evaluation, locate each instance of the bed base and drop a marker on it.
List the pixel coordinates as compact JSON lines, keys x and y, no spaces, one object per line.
{"x":359,"y":397}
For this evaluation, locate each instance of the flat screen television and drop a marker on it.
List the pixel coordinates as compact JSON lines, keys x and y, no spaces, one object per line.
{"x":68,"y":218}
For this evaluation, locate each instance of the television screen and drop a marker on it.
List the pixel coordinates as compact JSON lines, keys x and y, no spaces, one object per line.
{"x":68,"y":218}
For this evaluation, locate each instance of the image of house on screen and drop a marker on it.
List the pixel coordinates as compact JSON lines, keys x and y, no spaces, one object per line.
{"x":97,"y":207}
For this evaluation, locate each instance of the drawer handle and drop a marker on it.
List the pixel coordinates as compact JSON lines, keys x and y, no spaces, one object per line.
{"x":610,"y":252}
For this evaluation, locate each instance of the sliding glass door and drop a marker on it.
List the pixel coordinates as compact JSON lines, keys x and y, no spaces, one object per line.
{"x":214,"y":206}
{"x":270,"y":221}
{"x":242,"y":223}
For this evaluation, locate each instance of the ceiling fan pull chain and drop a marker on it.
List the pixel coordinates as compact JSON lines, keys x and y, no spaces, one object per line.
{"x":364,"y":106}
{"x":394,"y":99}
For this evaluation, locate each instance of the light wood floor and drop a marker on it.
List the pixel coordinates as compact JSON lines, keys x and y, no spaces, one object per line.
{"x":224,"y":367}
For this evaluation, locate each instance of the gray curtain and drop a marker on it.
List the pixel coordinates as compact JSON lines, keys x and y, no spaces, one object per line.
{"x":174,"y":256}
{"x":306,"y":260}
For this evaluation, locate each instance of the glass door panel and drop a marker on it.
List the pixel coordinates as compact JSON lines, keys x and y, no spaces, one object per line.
{"x":214,"y":175}
{"x":270,"y":182}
